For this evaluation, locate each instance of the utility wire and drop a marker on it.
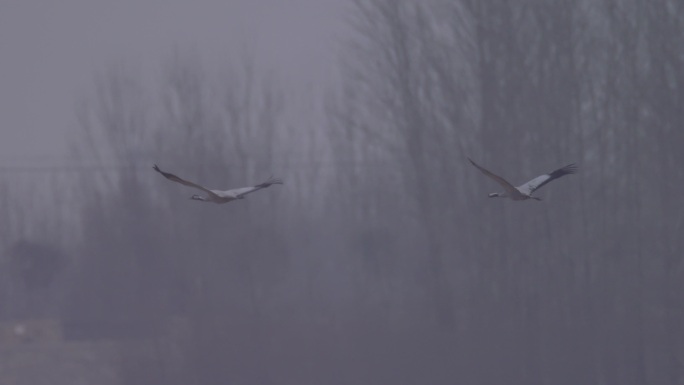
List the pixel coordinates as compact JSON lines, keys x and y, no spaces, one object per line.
{"x":79,"y":168}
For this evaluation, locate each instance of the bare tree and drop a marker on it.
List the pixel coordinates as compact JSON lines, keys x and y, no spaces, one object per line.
{"x":544,"y":84}
{"x":382,"y":260}
{"x":149,"y":253}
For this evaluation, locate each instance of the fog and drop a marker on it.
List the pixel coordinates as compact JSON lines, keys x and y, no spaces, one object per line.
{"x":381,"y":260}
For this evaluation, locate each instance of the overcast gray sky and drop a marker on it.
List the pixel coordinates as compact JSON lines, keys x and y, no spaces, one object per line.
{"x":51,"y":51}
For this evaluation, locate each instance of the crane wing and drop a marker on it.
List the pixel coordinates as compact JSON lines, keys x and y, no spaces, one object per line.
{"x":184,"y":182}
{"x":536,"y":183}
{"x":240,"y":192}
{"x":507,"y":186}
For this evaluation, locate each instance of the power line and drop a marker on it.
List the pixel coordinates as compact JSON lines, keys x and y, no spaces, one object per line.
{"x":223,"y":166}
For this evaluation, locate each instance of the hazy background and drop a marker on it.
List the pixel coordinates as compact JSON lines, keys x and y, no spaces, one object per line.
{"x":381,"y":259}
{"x":52,"y":51}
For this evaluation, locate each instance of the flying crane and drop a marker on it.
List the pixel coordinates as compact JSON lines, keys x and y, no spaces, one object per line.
{"x":524,"y":191}
{"x":218,"y":196}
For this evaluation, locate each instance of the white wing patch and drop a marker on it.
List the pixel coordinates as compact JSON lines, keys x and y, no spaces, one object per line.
{"x":529,"y":187}
{"x":239,"y":191}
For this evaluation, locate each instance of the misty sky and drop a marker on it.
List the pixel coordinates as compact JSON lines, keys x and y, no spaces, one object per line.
{"x":52,"y":50}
